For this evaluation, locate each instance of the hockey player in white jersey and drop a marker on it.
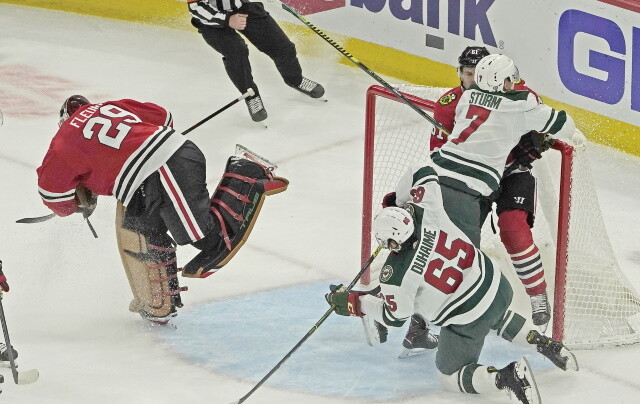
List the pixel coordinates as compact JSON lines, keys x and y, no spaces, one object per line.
{"x":491,"y":118}
{"x":436,"y":272}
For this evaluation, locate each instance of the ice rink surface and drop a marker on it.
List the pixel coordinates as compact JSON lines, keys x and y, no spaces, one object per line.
{"x":67,"y":310}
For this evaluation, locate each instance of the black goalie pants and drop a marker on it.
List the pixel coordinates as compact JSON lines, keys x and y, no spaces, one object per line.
{"x":174,"y":198}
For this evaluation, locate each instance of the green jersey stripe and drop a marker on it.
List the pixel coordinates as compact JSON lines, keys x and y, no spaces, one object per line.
{"x":470,"y":302}
{"x":546,"y":125}
{"x":559,"y":123}
{"x":427,"y":171}
{"x":479,"y":166}
{"x":490,"y":179}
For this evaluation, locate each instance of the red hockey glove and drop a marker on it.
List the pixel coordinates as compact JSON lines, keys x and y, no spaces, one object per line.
{"x":389,"y":200}
{"x":346,"y":303}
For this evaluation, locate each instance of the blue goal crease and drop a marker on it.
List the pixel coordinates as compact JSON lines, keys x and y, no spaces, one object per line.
{"x":245,"y":337}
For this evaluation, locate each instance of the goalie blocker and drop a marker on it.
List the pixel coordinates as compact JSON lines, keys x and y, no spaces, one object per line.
{"x":149,"y":257}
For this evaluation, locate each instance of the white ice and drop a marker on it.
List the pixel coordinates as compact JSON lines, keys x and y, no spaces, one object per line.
{"x":67,"y":310}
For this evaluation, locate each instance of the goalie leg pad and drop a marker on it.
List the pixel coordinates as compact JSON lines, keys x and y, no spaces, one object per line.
{"x":235,"y":206}
{"x":150,"y":265}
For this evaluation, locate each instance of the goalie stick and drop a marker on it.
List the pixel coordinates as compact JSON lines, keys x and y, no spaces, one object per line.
{"x":355,"y":61}
{"x":311,"y":331}
{"x":29,"y":376}
{"x":249,"y":93}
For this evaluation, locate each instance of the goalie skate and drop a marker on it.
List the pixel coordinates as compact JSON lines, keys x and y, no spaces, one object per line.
{"x":244,"y":152}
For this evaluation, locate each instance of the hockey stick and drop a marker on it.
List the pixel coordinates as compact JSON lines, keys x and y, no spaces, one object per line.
{"x":36,"y":219}
{"x":249,"y":93}
{"x":311,"y":331}
{"x":377,"y":78}
{"x":29,"y":376}
{"x":1,"y":118}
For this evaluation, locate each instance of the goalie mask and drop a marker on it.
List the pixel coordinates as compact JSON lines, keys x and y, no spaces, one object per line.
{"x":393,"y":224}
{"x":492,"y":71}
{"x":70,"y":106}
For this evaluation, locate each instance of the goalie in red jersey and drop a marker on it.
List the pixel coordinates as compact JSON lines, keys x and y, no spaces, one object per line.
{"x":130,"y":150}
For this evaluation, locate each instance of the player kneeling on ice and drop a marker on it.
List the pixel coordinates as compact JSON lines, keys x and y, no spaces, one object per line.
{"x":434,"y":270}
{"x":130,"y":150}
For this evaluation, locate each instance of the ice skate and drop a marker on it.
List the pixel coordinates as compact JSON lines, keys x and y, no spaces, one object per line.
{"x":418,"y":339}
{"x":256,"y":108}
{"x":310,"y":88}
{"x":555,"y":351}
{"x":540,"y":310}
{"x":518,"y":382}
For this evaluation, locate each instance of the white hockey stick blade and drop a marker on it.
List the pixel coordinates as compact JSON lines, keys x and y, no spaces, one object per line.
{"x":242,"y":151}
{"x":28,"y":377}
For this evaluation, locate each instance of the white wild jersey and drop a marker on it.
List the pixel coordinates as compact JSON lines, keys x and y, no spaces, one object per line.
{"x":488,"y":126}
{"x":444,"y":278}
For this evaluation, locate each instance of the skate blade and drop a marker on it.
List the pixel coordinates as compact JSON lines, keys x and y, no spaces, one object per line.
{"x":524,"y":372}
{"x":242,"y":151}
{"x":572,"y":362}
{"x":409,"y":353}
{"x":28,"y":377}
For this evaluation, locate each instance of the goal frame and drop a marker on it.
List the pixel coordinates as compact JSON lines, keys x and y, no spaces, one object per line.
{"x":564,"y":199}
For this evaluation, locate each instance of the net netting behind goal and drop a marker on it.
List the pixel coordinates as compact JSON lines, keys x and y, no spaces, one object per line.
{"x":593,"y":303}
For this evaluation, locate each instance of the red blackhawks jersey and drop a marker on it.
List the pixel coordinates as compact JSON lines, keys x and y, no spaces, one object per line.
{"x":445,"y":112}
{"x":110,"y":148}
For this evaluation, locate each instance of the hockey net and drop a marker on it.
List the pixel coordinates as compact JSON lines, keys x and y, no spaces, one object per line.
{"x":594,"y":305}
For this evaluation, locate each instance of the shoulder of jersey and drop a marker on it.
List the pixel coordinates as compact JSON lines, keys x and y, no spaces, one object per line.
{"x":450,"y":96}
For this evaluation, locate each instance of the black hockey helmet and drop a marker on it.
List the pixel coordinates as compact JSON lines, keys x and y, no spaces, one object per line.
{"x":71,"y":105}
{"x":472,"y":55}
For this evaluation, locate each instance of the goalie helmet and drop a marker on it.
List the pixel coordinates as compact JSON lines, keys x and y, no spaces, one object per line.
{"x":71,"y":105}
{"x":492,"y":70}
{"x":393,"y":223}
{"x":472,"y":55}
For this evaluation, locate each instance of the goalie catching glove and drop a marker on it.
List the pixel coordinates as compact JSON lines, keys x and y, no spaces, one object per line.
{"x":344,"y":302}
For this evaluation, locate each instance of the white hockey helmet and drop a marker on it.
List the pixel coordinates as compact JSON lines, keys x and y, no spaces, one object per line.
{"x":393,"y":223}
{"x":492,"y":70}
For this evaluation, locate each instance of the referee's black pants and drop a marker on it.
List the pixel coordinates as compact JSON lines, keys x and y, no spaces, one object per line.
{"x":266,"y":35}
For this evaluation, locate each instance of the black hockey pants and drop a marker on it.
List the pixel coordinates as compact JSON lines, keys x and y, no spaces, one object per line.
{"x":263,"y":32}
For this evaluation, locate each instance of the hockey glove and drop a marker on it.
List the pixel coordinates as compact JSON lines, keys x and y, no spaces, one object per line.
{"x":86,"y":201}
{"x":389,"y":200}
{"x":345,"y":303}
{"x":531,"y":147}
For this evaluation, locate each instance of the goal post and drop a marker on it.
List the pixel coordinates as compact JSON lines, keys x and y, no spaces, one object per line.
{"x":594,"y":305}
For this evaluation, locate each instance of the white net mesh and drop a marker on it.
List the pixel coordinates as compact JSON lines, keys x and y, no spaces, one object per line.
{"x":600,"y":309}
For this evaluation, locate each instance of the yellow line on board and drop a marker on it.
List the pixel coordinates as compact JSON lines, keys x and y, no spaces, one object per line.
{"x":382,"y":60}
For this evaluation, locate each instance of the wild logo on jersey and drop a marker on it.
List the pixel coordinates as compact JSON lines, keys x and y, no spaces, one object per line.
{"x":386,"y":273}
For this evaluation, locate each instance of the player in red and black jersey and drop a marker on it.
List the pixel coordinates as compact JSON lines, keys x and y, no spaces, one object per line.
{"x":130,"y":150}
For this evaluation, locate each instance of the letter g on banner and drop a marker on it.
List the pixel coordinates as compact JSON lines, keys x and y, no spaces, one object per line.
{"x":574,"y":22}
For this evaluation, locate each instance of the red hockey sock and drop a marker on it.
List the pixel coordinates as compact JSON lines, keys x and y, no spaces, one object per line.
{"x":525,"y":256}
